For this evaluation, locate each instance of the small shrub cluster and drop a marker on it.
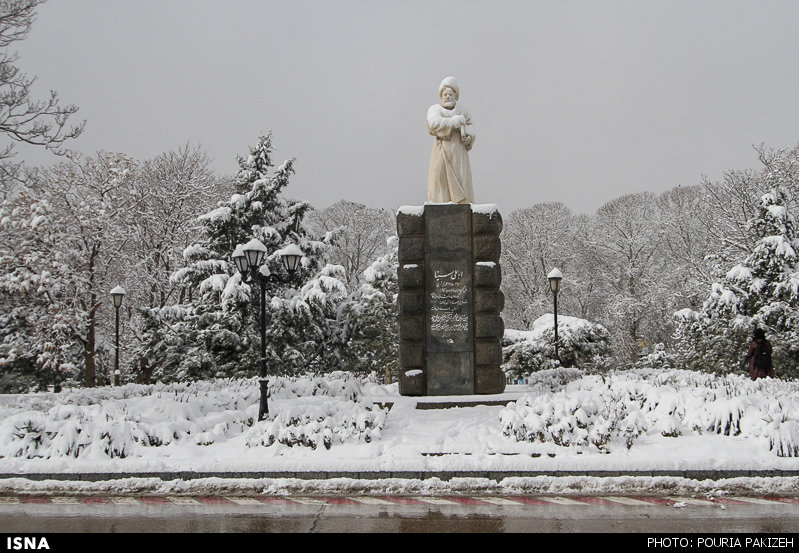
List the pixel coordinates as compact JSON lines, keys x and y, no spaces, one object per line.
{"x":618,"y":408}
{"x":115,"y":421}
{"x":326,"y":423}
{"x":112,"y":429}
{"x":658,"y":358}
{"x":577,"y":418}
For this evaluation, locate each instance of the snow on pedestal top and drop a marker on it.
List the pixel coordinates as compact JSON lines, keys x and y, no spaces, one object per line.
{"x":418,"y":210}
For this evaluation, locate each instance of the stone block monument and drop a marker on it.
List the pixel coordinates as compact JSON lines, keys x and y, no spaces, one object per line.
{"x":450,"y":304}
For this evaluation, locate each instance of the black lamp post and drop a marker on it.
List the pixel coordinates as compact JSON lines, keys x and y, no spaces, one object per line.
{"x":555,"y":277}
{"x":117,"y":294}
{"x":249,"y":260}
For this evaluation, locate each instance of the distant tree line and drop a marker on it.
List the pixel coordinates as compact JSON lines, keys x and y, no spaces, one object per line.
{"x":688,"y":273}
{"x":677,"y":279}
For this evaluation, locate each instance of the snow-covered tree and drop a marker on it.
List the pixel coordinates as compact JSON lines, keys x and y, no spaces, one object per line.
{"x":370,"y":317}
{"x":214,"y":331}
{"x":728,"y":207}
{"x":762,"y":291}
{"x":534,"y":241}
{"x":361,"y":234}
{"x":687,"y":246}
{"x":171,"y":190}
{"x":625,"y":243}
{"x":62,"y":253}
{"x":37,"y":316}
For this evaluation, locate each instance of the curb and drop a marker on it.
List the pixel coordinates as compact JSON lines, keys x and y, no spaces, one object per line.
{"x":408,"y":475}
{"x":402,"y":501}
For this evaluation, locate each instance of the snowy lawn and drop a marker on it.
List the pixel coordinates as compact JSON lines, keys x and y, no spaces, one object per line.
{"x":562,"y":420}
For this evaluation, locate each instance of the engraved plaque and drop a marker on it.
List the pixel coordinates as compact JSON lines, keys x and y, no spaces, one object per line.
{"x":448,"y":298}
{"x":448,"y":306}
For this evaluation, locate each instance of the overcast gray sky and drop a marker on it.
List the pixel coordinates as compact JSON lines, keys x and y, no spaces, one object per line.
{"x":578,"y":102}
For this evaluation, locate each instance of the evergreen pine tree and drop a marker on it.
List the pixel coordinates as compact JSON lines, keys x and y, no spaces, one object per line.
{"x":216,"y":331}
{"x":762,"y":291}
{"x":370,"y":317}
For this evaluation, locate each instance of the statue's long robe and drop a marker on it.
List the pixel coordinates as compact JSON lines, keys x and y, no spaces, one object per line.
{"x":450,"y":175}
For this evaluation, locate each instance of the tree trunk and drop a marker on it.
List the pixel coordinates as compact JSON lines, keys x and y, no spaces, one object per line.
{"x":88,"y":354}
{"x":89,"y":347}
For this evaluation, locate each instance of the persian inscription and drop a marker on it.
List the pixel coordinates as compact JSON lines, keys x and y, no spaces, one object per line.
{"x":448,"y":306}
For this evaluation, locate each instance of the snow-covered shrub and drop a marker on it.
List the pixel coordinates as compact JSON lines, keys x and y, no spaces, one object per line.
{"x":659,"y":358}
{"x":118,"y":421}
{"x":550,"y":380}
{"x":581,"y":343}
{"x":338,"y":384}
{"x":782,"y":428}
{"x":312,"y":424}
{"x":595,"y":412}
{"x":28,"y":435}
{"x":621,"y":407}
{"x":783,"y":438}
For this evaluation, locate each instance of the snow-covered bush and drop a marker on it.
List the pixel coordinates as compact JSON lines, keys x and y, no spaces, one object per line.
{"x":581,"y":343}
{"x":618,"y":408}
{"x":312,"y":424}
{"x":119,"y":421}
{"x":338,"y":384}
{"x":659,"y":358}
{"x":551,"y":380}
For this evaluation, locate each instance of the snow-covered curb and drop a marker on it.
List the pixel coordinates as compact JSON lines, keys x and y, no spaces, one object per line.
{"x":541,"y":485}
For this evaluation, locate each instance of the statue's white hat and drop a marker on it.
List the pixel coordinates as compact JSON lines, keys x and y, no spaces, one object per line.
{"x":449,"y":82}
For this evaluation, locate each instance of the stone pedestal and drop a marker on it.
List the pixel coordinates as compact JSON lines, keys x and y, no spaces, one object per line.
{"x":450,"y":304}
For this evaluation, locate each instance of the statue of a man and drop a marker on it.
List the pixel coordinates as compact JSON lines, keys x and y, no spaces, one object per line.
{"x":450,"y":175}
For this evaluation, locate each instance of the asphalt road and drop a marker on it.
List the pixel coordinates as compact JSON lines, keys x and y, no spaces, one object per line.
{"x":433,"y":515}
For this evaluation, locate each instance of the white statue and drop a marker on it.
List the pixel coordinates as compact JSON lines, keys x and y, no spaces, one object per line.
{"x":450,"y":175}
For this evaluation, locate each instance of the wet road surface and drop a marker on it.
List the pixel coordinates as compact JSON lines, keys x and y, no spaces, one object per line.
{"x":138,"y":514}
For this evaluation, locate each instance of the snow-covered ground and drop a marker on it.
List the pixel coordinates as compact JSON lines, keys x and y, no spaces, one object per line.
{"x":562,"y":420}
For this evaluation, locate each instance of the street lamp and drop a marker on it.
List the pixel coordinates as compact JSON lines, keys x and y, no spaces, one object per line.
{"x":117,"y":294}
{"x":555,"y":277}
{"x":249,"y":260}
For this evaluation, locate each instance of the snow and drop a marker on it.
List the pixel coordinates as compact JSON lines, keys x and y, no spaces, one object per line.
{"x":194,"y":251}
{"x":254,"y":245}
{"x":637,"y":420}
{"x":780,"y":245}
{"x":686,"y":314}
{"x":291,"y":249}
{"x":779,"y":212}
{"x":566,"y":325}
{"x":218,"y":215}
{"x":485,"y":209}
{"x":214,"y":283}
{"x":239,"y":201}
{"x":413,"y":210}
